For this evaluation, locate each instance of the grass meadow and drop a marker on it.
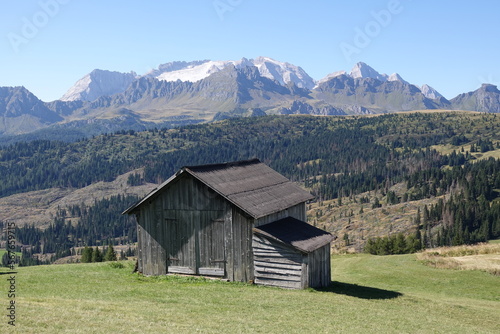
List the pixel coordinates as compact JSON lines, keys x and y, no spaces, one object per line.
{"x":369,"y":294}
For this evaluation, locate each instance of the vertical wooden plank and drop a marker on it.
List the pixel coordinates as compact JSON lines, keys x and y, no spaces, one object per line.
{"x":140,"y":242}
{"x":248,"y":250}
{"x":229,"y":244}
{"x":305,"y":272}
{"x":147,"y":249}
{"x":196,"y":217}
{"x":328,"y":265}
{"x":154,"y":244}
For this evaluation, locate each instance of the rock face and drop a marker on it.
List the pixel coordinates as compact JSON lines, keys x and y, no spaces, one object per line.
{"x":485,"y":99}
{"x":396,"y":77}
{"x":99,"y":83}
{"x":284,"y":73}
{"x":21,"y":111}
{"x":430,"y":92}
{"x":362,"y":70}
{"x":300,"y":107}
{"x":375,"y":95}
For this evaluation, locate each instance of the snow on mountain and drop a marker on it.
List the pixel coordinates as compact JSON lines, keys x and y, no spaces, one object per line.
{"x":430,"y":92}
{"x":173,"y":66}
{"x":196,"y":71}
{"x":362,"y":70}
{"x":98,"y":83}
{"x":284,"y":73}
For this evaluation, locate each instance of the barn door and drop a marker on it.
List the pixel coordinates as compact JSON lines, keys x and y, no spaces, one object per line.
{"x":181,"y":244}
{"x":211,"y":245}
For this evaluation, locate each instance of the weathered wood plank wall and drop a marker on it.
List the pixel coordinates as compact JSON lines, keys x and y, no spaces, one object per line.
{"x":240,"y":262}
{"x":190,"y":229}
{"x":297,"y":211}
{"x":319,"y":267}
{"x":277,"y":264}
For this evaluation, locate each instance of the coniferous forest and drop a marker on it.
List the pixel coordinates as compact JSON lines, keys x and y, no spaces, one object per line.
{"x":450,"y":157}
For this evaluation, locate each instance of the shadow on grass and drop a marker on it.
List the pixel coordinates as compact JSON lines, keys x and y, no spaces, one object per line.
{"x":8,"y":272}
{"x":359,"y":291}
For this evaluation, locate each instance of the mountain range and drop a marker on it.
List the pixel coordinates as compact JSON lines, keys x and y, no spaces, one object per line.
{"x":179,"y":93}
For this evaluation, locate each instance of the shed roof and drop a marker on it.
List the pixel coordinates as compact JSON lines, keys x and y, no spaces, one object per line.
{"x":250,"y":185}
{"x":295,"y":233}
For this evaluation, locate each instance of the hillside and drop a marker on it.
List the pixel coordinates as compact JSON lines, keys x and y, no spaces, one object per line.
{"x":369,"y":294}
{"x":371,"y":176}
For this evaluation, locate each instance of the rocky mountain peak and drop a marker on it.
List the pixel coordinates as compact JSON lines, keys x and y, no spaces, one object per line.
{"x":430,"y":92}
{"x":99,"y":83}
{"x":362,"y":70}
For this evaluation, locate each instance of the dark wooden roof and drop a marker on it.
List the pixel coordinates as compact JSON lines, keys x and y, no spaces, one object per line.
{"x":251,"y":185}
{"x":296,"y":233}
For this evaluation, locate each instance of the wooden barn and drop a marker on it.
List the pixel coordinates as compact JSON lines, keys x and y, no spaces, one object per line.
{"x":241,"y":221}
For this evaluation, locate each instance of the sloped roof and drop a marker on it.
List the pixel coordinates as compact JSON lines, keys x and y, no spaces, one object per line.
{"x":296,"y":233}
{"x":251,"y":185}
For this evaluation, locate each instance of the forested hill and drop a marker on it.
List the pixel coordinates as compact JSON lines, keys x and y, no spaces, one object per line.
{"x":401,"y":158}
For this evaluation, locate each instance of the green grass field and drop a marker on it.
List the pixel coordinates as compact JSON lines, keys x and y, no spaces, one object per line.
{"x":370,"y":294}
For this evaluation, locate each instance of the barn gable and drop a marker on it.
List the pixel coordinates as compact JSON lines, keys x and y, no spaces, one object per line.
{"x":252,"y":186}
{"x":200,"y":222}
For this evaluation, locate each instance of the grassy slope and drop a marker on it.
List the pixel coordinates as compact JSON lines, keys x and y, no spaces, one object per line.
{"x":395,"y":294}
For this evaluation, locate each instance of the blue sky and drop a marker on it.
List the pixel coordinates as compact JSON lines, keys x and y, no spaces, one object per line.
{"x":47,"y":45}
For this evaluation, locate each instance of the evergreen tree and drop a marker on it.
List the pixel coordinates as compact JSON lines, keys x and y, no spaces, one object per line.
{"x":97,"y":255}
{"x":87,"y":255}
{"x":110,"y":254}
{"x":5,"y":259}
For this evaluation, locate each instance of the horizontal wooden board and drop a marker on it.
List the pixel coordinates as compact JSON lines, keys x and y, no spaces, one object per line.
{"x":280,"y":284}
{"x":285,"y":272}
{"x":277,"y":265}
{"x":278,"y":256}
{"x":278,"y":277}
{"x":278,"y":259}
{"x":211,"y":271}
{"x":181,"y":270}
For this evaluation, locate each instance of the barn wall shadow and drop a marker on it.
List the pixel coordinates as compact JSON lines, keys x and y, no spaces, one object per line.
{"x":359,"y":291}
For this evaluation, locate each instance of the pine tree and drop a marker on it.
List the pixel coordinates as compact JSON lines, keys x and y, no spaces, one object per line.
{"x":110,"y":254}
{"x":5,"y":259}
{"x":87,"y":254}
{"x":97,"y":255}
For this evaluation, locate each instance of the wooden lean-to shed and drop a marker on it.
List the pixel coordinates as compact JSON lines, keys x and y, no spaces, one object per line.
{"x":241,"y":221}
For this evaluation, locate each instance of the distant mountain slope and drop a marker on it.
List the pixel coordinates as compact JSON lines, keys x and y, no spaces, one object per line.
{"x":430,"y":92}
{"x":362,"y":70}
{"x":375,"y":95}
{"x":21,"y":111}
{"x":486,"y":99}
{"x":99,"y":83}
